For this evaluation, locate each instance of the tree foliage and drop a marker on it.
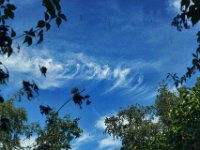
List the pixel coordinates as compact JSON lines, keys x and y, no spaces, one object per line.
{"x":13,"y":125}
{"x":136,"y":128}
{"x":177,"y":126}
{"x":58,"y":131}
{"x":189,"y":16}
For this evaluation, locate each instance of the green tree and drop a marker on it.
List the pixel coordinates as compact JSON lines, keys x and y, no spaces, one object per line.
{"x":165,"y":101}
{"x":58,"y":131}
{"x":13,"y":125}
{"x":184,"y":130}
{"x":189,"y":16}
{"x":177,"y":126}
{"x":136,"y":127}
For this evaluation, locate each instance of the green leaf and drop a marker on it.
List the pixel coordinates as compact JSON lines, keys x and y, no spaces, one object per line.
{"x":9,"y":51}
{"x":2,"y":1}
{"x":185,"y":3}
{"x":31,"y":32}
{"x":13,"y":33}
{"x":40,"y":35}
{"x":50,"y":8}
{"x":11,"y":6}
{"x":8,"y":13}
{"x":41,"y":24}
{"x":28,"y":40}
{"x":46,"y":16}
{"x":57,"y":4}
{"x":48,"y":26}
{"x":198,"y":34}
{"x":63,"y":16}
{"x":58,"y":21}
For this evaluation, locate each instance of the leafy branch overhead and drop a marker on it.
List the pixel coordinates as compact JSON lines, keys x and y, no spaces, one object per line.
{"x":189,"y":16}
{"x":57,"y":132}
{"x":52,"y":12}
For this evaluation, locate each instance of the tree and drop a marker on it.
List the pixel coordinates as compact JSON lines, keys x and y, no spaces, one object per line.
{"x":13,"y":124}
{"x":189,"y":16}
{"x":136,"y":127}
{"x":177,"y":126}
{"x":58,"y":131}
{"x":165,"y":101}
{"x":184,"y":130}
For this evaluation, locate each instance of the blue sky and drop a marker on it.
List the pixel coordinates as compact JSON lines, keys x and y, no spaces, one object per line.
{"x":118,"y":50}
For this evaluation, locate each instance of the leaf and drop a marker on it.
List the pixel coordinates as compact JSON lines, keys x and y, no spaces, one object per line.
{"x":40,"y":39}
{"x":41,"y":24}
{"x":11,"y":6}
{"x":9,"y":51}
{"x":40,"y":35}
{"x":57,"y":4}
{"x":185,"y":3}
{"x":63,"y":17}
{"x":46,"y":16}
{"x":1,"y":99}
{"x":28,"y":40}
{"x":45,"y":109}
{"x":48,"y":26}
{"x":50,"y":8}
{"x":43,"y":70}
{"x":193,"y":13}
{"x":194,"y":55}
{"x":8,"y":13}
{"x":13,"y":33}
{"x":58,"y":21}
{"x":2,"y":1}
{"x":198,"y":34}
{"x":88,"y":102}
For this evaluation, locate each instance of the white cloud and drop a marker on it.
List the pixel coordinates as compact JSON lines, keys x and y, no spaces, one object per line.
{"x":175,"y":4}
{"x":109,"y":142}
{"x":100,"y":123}
{"x":28,"y":142}
{"x":62,"y":69}
{"x":85,"y":137}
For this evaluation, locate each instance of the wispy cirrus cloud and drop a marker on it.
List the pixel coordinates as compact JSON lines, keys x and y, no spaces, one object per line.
{"x":85,"y":138}
{"x":109,"y":143}
{"x":71,"y":66}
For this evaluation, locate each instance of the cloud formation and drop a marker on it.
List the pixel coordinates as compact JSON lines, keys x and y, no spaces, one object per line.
{"x":62,"y":69}
{"x":86,"y":137}
{"x":175,"y":4}
{"x":109,"y":143}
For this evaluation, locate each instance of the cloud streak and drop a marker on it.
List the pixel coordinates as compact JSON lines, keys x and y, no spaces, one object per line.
{"x":72,"y":66}
{"x":86,"y":137}
{"x":109,"y":143}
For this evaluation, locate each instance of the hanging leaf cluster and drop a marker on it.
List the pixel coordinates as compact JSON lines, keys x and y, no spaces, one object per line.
{"x":4,"y":74}
{"x":78,"y":98}
{"x":31,"y":89}
{"x":43,"y":70}
{"x":45,"y":110}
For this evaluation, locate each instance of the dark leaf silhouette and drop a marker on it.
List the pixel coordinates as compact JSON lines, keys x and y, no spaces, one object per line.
{"x":4,"y":74}
{"x":45,"y":109}
{"x":1,"y":99}
{"x":189,"y":15}
{"x":31,"y":89}
{"x":78,"y":98}
{"x":43,"y":70}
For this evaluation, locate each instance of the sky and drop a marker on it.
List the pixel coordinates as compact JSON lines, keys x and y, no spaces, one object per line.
{"x":118,"y":50}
